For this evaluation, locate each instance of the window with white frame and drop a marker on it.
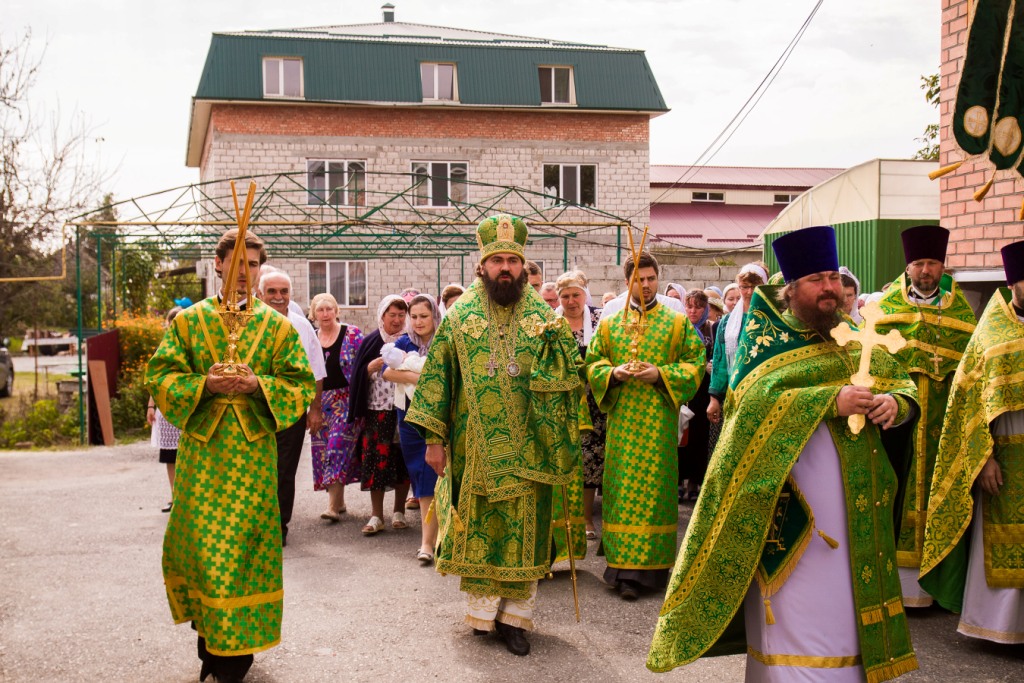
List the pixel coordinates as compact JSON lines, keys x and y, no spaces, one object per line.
{"x":556,"y":85}
{"x":344,"y":280}
{"x":336,"y":182}
{"x":438,"y":81}
{"x":570,"y":183}
{"x":282,"y":77}
{"x":439,"y":183}
{"x":708,"y":196}
{"x":784,"y":198}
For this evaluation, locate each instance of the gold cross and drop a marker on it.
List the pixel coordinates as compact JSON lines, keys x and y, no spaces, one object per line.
{"x":868,"y":338}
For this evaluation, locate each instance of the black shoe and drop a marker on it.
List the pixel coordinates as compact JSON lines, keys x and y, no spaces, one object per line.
{"x":205,"y":671}
{"x":480,"y":632}
{"x":514,"y":637}
{"x":628,"y":591}
{"x":167,"y":508}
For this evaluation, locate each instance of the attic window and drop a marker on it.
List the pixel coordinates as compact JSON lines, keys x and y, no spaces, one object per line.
{"x":556,"y":85}
{"x":282,"y":77}
{"x":708,"y":196}
{"x":438,"y":81}
{"x":785,"y":198}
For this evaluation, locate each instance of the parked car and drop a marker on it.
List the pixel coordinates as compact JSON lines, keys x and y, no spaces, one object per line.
{"x":6,"y":369}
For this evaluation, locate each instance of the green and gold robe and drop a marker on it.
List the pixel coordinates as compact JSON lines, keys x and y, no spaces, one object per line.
{"x":989,"y":383}
{"x":509,"y":439}
{"x":784,"y":386}
{"x":936,"y":335}
{"x":640,"y":510}
{"x":222,"y":548}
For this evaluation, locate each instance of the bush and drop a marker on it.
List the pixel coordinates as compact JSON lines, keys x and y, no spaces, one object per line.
{"x":138,"y":338}
{"x":40,"y":423}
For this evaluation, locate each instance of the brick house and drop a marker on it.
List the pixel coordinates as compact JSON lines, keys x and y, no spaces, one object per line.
{"x":363,"y":112}
{"x":979,"y":229}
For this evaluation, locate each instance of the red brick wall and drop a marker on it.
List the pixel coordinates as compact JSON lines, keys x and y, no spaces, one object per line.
{"x":428,"y":123}
{"x":979,"y":229}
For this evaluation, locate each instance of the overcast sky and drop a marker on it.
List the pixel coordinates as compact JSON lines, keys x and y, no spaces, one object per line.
{"x":849,"y":93}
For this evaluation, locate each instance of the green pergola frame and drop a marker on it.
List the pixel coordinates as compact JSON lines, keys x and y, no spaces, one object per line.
{"x":185,"y":223}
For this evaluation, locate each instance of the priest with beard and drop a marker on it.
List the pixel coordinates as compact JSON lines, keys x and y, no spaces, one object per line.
{"x":790,"y":555}
{"x":497,"y":403}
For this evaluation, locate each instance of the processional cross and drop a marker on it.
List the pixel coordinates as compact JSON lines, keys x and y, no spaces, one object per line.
{"x":638,"y":326}
{"x":868,"y":338}
{"x":235,"y":319}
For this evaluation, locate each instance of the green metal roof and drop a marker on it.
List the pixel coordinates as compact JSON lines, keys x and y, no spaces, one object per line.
{"x":374,"y":69}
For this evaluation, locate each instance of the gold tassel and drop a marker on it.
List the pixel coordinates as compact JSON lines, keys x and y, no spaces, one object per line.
{"x":1021,"y":216}
{"x":430,"y":513}
{"x":769,"y":616}
{"x":980,"y":194}
{"x":832,"y":543}
{"x":938,"y":173}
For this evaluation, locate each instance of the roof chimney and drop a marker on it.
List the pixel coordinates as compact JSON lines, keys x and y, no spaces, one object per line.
{"x":389,"y":13}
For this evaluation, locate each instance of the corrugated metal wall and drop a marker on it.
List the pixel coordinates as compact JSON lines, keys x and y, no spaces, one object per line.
{"x":871,"y":249}
{"x":389,"y":72}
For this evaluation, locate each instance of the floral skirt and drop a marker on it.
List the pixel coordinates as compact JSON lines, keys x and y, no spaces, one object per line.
{"x":383,"y":465}
{"x":334,"y":446}
{"x":592,"y":445}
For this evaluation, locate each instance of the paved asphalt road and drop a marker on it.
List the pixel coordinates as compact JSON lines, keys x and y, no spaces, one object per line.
{"x":81,"y":597}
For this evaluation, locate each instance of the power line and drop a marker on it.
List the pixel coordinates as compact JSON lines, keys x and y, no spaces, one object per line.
{"x":744,"y":111}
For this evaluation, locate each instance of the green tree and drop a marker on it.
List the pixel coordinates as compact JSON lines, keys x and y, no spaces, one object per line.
{"x":930,"y":139}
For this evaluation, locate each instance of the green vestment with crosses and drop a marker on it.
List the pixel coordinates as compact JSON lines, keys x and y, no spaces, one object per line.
{"x":784,"y":385}
{"x":222,"y":547}
{"x":510,"y":440}
{"x":937,"y":334}
{"x":988,"y":383}
{"x":640,"y":509}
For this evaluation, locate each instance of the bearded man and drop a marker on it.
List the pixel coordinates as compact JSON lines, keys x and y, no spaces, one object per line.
{"x":795,"y":520}
{"x":927,"y":307}
{"x":497,"y":404}
{"x":979,"y":469}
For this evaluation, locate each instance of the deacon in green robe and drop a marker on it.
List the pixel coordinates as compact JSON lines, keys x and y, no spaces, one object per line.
{"x":222,"y":547}
{"x":931,"y":313}
{"x":795,"y":519}
{"x":639,"y":509}
{"x":497,"y":402}
{"x":979,"y":470}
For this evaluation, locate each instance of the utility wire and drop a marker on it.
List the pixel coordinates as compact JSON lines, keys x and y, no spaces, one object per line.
{"x":737,"y":120}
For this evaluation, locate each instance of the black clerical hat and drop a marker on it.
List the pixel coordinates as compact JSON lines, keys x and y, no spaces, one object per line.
{"x":1013,"y":261}
{"x":925,"y":241}
{"x":807,"y":251}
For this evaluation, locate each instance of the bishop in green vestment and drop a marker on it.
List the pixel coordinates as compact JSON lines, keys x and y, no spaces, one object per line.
{"x":639,"y":510}
{"x":978,"y":483}
{"x":497,"y":402}
{"x":222,"y":547}
{"x":794,"y":523}
{"x":928,"y":308}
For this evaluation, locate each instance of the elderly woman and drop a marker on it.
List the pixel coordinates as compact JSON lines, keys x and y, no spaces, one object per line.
{"x":333,"y":446}
{"x":727,"y":339}
{"x":424,"y":317}
{"x":583,"y":320}
{"x":372,"y":402}
{"x":693,"y":457}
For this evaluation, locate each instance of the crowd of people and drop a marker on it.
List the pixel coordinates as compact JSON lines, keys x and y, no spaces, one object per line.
{"x":502,"y":409}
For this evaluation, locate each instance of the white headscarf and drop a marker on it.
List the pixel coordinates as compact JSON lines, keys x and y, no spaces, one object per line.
{"x":734,"y":325}
{"x":382,"y":308}
{"x":855,"y":311}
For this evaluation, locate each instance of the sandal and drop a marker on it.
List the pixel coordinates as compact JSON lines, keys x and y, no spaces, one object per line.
{"x":412,"y":503}
{"x":398,"y":521}
{"x":375,"y":525}
{"x":591,"y":535}
{"x":424,"y":557}
{"x":331,"y":515}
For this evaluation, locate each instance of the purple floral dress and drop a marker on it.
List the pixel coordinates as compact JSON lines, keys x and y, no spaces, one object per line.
{"x":333,"y":447}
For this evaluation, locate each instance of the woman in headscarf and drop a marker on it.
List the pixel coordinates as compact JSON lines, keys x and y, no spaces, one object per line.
{"x":583,"y":320}
{"x":730,"y":296}
{"x":676,"y":291}
{"x":851,"y":287}
{"x":727,"y":339}
{"x":332,"y":449}
{"x":693,"y":457}
{"x":373,"y":402}
{"x":424,"y":317}
{"x":449,"y":295}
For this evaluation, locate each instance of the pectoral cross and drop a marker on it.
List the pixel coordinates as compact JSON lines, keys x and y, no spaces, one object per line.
{"x":868,"y":339}
{"x":491,"y":366}
{"x":935,"y":362}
